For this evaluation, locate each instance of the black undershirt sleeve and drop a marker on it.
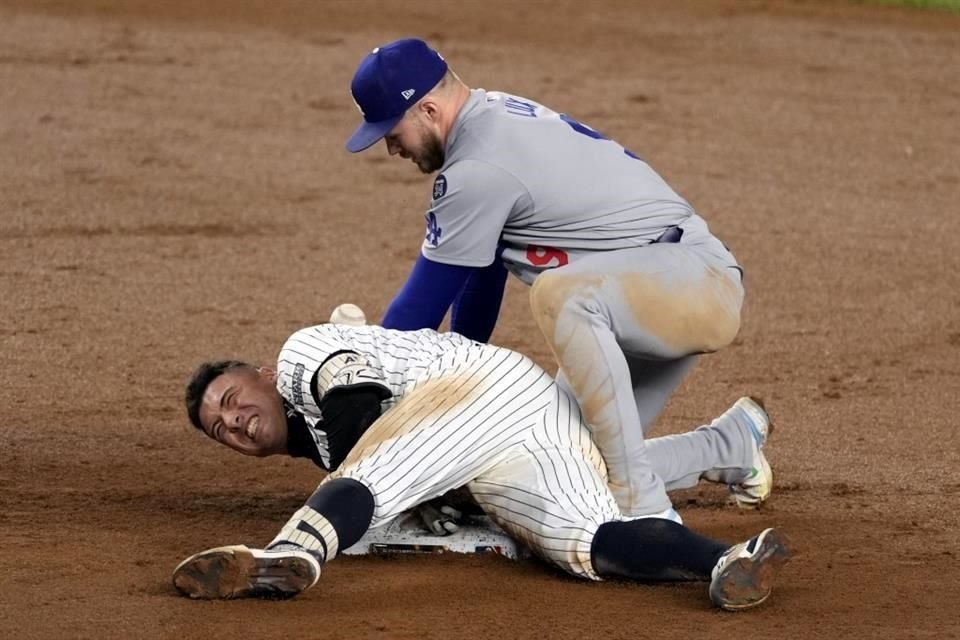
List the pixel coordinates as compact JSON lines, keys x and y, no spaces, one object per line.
{"x":347,"y":413}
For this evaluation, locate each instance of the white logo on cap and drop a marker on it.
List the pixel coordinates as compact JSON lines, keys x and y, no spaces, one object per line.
{"x":406,"y":94}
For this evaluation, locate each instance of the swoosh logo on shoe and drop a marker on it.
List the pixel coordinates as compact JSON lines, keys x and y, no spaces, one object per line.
{"x":752,"y":474}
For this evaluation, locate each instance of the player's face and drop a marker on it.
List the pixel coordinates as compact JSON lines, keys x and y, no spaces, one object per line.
{"x":242,"y":409}
{"x":414,"y":140}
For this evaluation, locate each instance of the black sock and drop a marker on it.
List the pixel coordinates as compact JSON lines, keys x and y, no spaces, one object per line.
{"x":653,"y":550}
{"x":347,"y":504}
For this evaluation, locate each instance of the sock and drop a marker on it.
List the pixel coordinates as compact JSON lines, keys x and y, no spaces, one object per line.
{"x":653,"y":550}
{"x":334,"y":517}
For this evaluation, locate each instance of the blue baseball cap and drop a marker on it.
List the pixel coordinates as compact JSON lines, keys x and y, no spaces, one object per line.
{"x":390,"y":80}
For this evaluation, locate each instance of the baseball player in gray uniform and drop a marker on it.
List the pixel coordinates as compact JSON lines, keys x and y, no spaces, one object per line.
{"x":628,"y":283}
{"x":402,"y":417}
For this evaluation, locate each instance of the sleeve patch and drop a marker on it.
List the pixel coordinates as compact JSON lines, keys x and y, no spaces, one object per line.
{"x":434,"y":232}
{"x":439,"y":187}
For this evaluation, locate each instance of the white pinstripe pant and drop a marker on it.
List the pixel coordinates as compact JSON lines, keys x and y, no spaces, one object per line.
{"x":490,"y":419}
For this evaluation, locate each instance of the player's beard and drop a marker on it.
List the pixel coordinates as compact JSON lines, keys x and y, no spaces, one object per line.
{"x":431,"y":155}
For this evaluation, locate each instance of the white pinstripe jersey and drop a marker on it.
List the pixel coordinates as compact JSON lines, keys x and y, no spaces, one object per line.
{"x":398,"y":357}
{"x":464,"y":414}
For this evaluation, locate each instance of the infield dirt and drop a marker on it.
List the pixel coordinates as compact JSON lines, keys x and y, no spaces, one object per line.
{"x":173,"y":187}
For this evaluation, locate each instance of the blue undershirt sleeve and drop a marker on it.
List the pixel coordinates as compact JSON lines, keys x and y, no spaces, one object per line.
{"x":476,"y":309}
{"x":426,"y":296}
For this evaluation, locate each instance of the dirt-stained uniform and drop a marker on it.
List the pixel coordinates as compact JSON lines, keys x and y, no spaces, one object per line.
{"x":628,"y":282}
{"x":468,"y":414}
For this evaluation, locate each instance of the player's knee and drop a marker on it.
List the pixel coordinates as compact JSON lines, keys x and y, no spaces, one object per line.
{"x":715,"y":320}
{"x":719,"y":330}
{"x":554,"y":293}
{"x":543,"y":296}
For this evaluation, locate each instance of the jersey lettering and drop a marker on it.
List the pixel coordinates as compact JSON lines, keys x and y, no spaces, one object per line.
{"x":579,"y":127}
{"x":297,"y":385}
{"x":520,"y":108}
{"x":543,"y":256}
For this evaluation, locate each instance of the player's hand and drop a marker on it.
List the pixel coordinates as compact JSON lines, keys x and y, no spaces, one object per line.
{"x":439,"y":518}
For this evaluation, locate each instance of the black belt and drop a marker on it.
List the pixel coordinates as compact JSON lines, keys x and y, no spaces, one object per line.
{"x":672,"y":234}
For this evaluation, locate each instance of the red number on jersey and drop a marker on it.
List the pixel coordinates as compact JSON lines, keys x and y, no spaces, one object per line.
{"x":543,"y":256}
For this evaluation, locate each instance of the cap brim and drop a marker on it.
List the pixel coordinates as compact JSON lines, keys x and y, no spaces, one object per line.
{"x":368,"y":133}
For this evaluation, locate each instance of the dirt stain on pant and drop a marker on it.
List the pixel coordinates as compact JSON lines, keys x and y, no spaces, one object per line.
{"x":590,"y":320}
{"x":686,"y":317}
{"x":559,"y":303}
{"x":422,"y":408}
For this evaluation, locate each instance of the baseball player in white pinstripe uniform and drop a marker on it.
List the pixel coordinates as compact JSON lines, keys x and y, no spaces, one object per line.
{"x":629,"y":285}
{"x":402,"y":417}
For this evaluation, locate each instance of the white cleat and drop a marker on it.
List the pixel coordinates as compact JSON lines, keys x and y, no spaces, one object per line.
{"x":754,"y":489}
{"x":744,"y":575}
{"x":241,"y":572}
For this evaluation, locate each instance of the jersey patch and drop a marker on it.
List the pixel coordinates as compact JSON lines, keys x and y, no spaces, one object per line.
{"x":433,"y":229}
{"x":439,"y":187}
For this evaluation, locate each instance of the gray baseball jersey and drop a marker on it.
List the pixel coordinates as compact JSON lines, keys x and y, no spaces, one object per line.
{"x":484,"y":417}
{"x":585,"y":220}
{"x":542,"y":187}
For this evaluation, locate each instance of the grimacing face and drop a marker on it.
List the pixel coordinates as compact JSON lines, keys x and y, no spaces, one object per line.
{"x":243,"y":409}
{"x":412,"y":140}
